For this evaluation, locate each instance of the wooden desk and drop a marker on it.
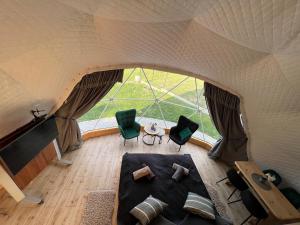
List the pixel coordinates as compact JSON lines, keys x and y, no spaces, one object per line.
{"x":280,"y":210}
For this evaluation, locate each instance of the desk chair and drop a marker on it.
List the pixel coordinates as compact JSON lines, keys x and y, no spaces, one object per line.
{"x":237,"y":181}
{"x":253,"y":206}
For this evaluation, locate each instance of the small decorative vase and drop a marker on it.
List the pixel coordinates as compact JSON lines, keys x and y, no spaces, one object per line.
{"x":153,"y":127}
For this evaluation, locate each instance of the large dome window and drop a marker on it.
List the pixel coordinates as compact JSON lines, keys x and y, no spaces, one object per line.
{"x":157,"y":96}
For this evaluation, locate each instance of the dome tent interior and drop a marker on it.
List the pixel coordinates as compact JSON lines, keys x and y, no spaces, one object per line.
{"x":157,"y":96}
{"x":248,"y":48}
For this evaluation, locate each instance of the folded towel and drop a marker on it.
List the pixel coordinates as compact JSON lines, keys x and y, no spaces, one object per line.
{"x":180,"y":172}
{"x":175,"y":166}
{"x":145,"y":171}
{"x":151,"y":174}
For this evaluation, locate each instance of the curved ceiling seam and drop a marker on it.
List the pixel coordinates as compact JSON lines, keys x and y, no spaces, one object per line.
{"x":45,"y":40}
{"x":121,"y":19}
{"x":76,"y":78}
{"x":249,"y":46}
{"x":231,"y":40}
{"x":204,"y":76}
{"x":288,"y":43}
{"x":17,"y":82}
{"x":22,"y":54}
{"x":226,"y":37}
{"x":173,"y":21}
{"x":283,"y":74}
{"x":15,"y":77}
{"x":73,"y":8}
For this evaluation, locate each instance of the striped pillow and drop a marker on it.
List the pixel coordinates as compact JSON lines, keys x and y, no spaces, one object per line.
{"x":148,"y":210}
{"x":199,"y":205}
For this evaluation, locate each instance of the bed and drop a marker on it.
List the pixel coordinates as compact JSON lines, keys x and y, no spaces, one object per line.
{"x":162,"y":187}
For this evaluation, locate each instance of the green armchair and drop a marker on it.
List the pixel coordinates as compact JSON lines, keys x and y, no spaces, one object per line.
{"x":126,"y":122}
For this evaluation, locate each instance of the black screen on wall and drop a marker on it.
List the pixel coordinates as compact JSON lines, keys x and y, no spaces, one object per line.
{"x":27,"y":145}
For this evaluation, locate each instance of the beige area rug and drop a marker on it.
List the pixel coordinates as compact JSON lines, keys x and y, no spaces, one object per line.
{"x":220,"y":206}
{"x":99,"y":208}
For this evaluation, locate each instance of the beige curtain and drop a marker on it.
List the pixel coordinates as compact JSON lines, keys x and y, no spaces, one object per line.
{"x":90,"y":90}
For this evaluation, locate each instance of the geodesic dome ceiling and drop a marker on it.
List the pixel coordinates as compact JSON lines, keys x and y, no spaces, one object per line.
{"x":251,"y":48}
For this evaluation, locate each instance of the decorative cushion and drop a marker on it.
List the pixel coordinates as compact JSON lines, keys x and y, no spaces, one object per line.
{"x":145,"y":171}
{"x":199,"y":205}
{"x":179,"y":173}
{"x":186,"y":132}
{"x":125,"y":123}
{"x":148,"y":210}
{"x":130,"y":132}
{"x":127,"y":119}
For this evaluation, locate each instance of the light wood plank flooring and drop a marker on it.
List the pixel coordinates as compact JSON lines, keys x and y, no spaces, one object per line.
{"x":96,"y":167}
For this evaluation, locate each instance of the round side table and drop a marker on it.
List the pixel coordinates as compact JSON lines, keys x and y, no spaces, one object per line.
{"x":159,"y":132}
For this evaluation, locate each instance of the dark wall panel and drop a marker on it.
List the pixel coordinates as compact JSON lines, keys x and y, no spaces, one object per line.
{"x":27,"y":145}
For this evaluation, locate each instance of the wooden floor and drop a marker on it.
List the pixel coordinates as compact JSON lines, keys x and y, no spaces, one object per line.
{"x":96,"y":167}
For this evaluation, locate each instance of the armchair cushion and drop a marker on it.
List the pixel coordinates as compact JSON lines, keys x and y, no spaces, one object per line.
{"x":183,"y":123}
{"x":185,"y":133}
{"x":137,"y":126}
{"x":126,"y":118}
{"x":130,"y":133}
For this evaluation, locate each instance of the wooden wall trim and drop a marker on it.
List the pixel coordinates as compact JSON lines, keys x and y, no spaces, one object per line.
{"x":35,"y":166}
{"x":114,"y":130}
{"x":99,"y":132}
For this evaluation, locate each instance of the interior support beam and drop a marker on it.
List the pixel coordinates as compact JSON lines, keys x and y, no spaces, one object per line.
{"x":58,"y":153}
{"x":9,"y":185}
{"x":15,"y":192}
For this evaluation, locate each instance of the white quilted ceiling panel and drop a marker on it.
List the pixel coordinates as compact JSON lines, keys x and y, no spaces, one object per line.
{"x":251,"y":48}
